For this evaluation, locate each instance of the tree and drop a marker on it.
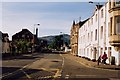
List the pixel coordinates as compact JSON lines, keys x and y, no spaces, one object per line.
{"x":23,"y":45}
{"x":56,"y":43}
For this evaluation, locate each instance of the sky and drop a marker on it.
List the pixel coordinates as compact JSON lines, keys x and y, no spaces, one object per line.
{"x":53,"y":16}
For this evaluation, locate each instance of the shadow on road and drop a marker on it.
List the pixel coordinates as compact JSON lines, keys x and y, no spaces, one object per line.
{"x":15,"y":73}
{"x":20,"y":56}
{"x":81,"y":79}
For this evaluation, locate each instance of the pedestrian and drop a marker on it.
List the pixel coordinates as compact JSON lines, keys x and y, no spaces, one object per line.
{"x":104,"y":58}
{"x":99,"y":59}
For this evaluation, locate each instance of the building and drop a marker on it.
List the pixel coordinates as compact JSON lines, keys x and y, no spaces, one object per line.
{"x":74,"y":37}
{"x":5,"y":43}
{"x":24,"y":41}
{"x":0,"y":42}
{"x":114,"y":28}
{"x":101,"y":34}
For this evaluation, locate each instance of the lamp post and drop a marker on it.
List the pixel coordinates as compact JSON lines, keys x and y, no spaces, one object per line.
{"x":62,"y":38}
{"x":97,"y":5}
{"x":35,"y":32}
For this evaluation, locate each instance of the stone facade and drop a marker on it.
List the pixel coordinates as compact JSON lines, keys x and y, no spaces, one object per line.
{"x":114,"y":33}
{"x":74,"y":37}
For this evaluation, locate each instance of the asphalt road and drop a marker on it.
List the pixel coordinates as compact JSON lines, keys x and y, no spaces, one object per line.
{"x":73,"y":69}
{"x":47,"y":66}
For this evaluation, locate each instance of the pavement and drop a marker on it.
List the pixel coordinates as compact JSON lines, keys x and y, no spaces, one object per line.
{"x":93,"y":64}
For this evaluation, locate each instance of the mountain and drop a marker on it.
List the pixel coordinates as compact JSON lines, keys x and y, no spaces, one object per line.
{"x":49,"y":39}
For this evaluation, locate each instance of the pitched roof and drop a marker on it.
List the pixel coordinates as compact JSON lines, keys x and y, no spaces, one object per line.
{"x":25,"y":32}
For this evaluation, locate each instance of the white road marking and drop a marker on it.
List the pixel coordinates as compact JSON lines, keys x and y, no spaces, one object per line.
{"x":28,"y":76}
{"x":113,"y":79}
{"x":67,"y":76}
{"x":85,"y":75}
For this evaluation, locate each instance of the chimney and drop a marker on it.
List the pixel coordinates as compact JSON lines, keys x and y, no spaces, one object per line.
{"x":73,"y":22}
{"x":37,"y":32}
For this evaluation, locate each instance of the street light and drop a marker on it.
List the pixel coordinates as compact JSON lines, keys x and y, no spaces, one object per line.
{"x":35,"y":33}
{"x":62,"y":38}
{"x":97,"y":5}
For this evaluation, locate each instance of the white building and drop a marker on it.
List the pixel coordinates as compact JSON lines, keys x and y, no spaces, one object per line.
{"x":93,"y":39}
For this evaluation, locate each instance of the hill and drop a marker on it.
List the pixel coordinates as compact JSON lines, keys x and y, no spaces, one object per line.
{"x":49,"y":39}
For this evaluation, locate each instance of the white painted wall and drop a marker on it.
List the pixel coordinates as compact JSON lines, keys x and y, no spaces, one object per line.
{"x":86,"y":47}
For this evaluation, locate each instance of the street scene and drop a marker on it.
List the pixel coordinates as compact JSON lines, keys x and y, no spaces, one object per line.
{"x":60,"y":40}
{"x":48,"y":66}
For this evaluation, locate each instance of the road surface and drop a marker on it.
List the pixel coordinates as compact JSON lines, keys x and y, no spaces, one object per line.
{"x":48,"y":66}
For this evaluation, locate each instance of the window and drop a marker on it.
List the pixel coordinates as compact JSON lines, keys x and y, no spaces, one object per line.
{"x":92,"y":21}
{"x":101,"y":32}
{"x":96,"y":34}
{"x":91,"y":36}
{"x":110,"y":48}
{"x":105,"y":48}
{"x":96,"y":17}
{"x":88,"y":37}
{"x":84,"y":27}
{"x":88,"y":23}
{"x":84,"y":37}
{"x":101,"y":51}
{"x":110,"y":5}
{"x":117,"y":3}
{"x":23,"y":36}
{"x":102,"y":13}
{"x":117,"y":24}
{"x":109,"y":29}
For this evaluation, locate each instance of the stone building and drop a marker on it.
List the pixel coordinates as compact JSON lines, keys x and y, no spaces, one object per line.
{"x":114,"y":28}
{"x":74,"y":37}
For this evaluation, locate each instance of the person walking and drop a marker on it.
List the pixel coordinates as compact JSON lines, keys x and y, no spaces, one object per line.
{"x":104,"y":58}
{"x":99,"y":59}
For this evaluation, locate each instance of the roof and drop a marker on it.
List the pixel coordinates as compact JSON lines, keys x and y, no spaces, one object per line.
{"x":80,"y":23}
{"x":0,"y":35}
{"x":99,"y":6}
{"x":25,"y":32}
{"x":5,"y":35}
